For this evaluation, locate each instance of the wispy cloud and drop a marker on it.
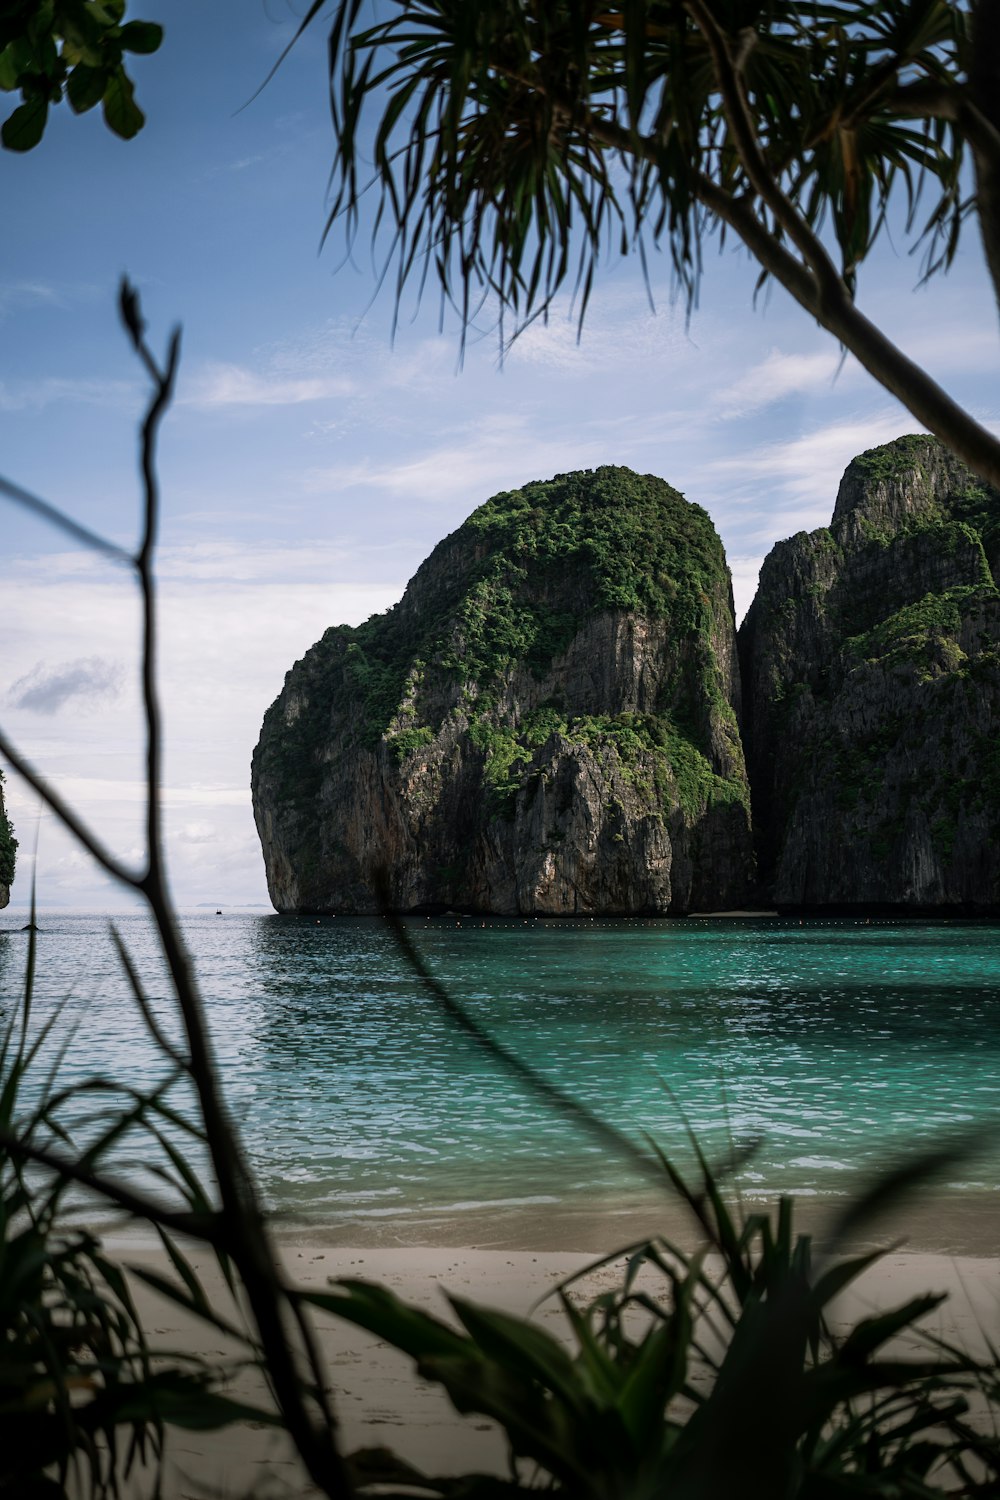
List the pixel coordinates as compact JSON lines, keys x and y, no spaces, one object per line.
{"x":88,"y":682}
{"x":961,"y":348}
{"x":499,"y":453}
{"x":32,"y":395}
{"x":93,"y":789}
{"x":608,"y":340}
{"x":255,"y":159}
{"x":269,"y":561}
{"x":779,"y":376}
{"x":792,"y":485}
{"x":15,"y":296}
{"x":225,"y":385}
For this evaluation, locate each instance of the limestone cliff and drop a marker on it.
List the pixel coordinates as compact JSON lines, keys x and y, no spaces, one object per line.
{"x":545,"y":723}
{"x":871,"y":679}
{"x":8,"y":850}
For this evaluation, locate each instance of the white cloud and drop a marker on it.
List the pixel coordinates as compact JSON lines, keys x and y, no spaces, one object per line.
{"x":16,"y":296}
{"x":88,"y":682}
{"x":239,"y":562}
{"x":496,"y":454}
{"x":197,"y":833}
{"x":745,"y":572}
{"x":792,"y":485}
{"x":219,"y":385}
{"x":613,"y":337}
{"x":959,"y":348}
{"x":781,"y":375}
{"x":228,"y":634}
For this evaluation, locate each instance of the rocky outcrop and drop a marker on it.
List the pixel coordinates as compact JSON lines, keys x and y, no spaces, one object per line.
{"x":8,"y":851}
{"x":545,"y":723}
{"x":871,"y":679}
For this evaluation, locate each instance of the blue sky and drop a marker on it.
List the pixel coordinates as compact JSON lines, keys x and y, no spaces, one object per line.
{"x":310,"y":464}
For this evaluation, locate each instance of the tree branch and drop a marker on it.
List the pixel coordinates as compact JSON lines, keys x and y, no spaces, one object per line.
{"x":69,"y":819}
{"x":913,"y":387}
{"x":834,"y":309}
{"x":209,"y":1228}
{"x":740,"y":120}
{"x":55,"y":517}
{"x":247,"y":1236}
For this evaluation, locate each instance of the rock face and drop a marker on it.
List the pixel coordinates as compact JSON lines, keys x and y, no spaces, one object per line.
{"x":871,"y":679}
{"x":8,"y":850}
{"x":545,"y":723}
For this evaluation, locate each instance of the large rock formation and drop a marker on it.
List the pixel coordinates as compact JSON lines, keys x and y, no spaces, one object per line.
{"x":8,"y":850}
{"x":545,"y":723}
{"x":871,"y":677}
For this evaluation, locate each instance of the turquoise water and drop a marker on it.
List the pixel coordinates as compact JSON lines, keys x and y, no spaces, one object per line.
{"x":838,"y":1043}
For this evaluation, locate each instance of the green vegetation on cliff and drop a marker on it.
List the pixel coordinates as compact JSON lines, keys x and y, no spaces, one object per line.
{"x":546,"y":720}
{"x":891,"y":460}
{"x":512,"y":587}
{"x":516,"y":581}
{"x":871,"y":678}
{"x":8,"y":843}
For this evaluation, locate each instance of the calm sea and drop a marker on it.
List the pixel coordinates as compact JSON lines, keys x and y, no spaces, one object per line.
{"x":838,"y":1043}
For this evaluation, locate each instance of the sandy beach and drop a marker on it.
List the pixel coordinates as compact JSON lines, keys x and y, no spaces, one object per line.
{"x":378,"y":1398}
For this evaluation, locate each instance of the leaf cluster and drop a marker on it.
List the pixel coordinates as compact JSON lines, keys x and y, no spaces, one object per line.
{"x":514,"y":143}
{"x":82,"y":1401}
{"x":728,"y":1381}
{"x":51,"y":49}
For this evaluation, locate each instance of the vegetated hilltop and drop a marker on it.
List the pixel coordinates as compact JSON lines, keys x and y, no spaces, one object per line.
{"x":545,"y":723}
{"x":871,"y":677}
{"x":8,"y":851}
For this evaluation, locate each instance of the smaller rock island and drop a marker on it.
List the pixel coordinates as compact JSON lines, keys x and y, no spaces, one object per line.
{"x":8,"y":851}
{"x":871,"y":661}
{"x":546,"y":723}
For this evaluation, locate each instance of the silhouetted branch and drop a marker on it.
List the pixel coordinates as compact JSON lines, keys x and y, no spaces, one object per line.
{"x":238,"y":1228}
{"x":55,"y":517}
{"x":65,"y":814}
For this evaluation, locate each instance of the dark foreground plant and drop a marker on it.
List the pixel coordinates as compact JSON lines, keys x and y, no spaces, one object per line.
{"x":229,"y":1217}
{"x":729,"y":1382}
{"x":81,"y":1396}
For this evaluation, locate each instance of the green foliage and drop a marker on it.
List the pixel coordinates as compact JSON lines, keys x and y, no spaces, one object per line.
{"x":8,"y":843}
{"x":919,"y":630}
{"x":513,"y":143}
{"x":647,"y":742}
{"x":50,"y":49}
{"x":728,"y":1382}
{"x":891,"y":460}
{"x":407,"y":740}
{"x":504,"y":769}
{"x":511,"y":588}
{"x":82,"y":1399}
{"x":608,"y":537}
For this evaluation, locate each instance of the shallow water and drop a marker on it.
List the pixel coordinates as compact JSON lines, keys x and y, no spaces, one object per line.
{"x":837,"y":1043}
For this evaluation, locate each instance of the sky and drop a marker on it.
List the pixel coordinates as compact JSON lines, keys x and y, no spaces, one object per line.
{"x":311,"y":461}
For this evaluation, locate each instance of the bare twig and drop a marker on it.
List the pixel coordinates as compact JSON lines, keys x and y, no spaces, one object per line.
{"x":212,"y":1229}
{"x":65,"y":814}
{"x":247,"y":1236}
{"x":238,"y":1229}
{"x":154,"y":1028}
{"x":56,"y":517}
{"x":556,"y":1098}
